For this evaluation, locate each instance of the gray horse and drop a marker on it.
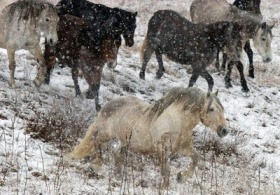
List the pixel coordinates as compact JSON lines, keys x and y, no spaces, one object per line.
{"x":21,"y":24}
{"x":211,"y":11}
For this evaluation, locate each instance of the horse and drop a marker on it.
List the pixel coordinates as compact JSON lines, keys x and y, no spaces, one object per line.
{"x":97,"y":13}
{"x":75,"y":49}
{"x":252,"y":6}
{"x":149,"y":129}
{"x":22,"y":23}
{"x":187,"y":43}
{"x":254,"y":28}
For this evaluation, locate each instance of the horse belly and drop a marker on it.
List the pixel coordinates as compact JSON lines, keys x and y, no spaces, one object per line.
{"x":179,"y":51}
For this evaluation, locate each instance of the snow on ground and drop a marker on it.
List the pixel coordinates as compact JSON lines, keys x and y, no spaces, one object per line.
{"x":245,"y":162}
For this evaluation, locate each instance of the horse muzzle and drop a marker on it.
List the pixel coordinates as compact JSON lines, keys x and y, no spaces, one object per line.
{"x":51,"y":40}
{"x":222,"y":132}
{"x":112,"y":63}
{"x":129,"y":43}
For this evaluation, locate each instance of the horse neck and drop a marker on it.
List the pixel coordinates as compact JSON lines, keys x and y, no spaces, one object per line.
{"x":250,"y":21}
{"x":216,"y":34}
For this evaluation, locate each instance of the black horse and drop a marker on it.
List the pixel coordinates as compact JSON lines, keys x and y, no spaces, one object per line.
{"x":187,"y":43}
{"x":252,"y":6}
{"x":122,"y":23}
{"x":98,"y":14}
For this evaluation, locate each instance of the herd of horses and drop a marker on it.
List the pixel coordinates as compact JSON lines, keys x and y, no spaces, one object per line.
{"x":86,"y":36}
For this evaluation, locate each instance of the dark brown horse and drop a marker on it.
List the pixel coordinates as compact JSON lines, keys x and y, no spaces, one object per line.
{"x":124,"y":21}
{"x":71,"y":50}
{"x":191,"y":44}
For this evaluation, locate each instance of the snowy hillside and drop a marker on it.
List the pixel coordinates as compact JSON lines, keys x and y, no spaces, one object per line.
{"x":247,"y":161}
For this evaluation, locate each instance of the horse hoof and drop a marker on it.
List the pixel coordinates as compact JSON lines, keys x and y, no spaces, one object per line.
{"x":228,"y":85}
{"x":89,"y":95}
{"x":47,"y":81}
{"x":78,"y":93}
{"x":12,"y":85}
{"x":245,"y":90}
{"x":189,"y":70}
{"x":252,"y":76}
{"x":159,"y":75}
{"x":142,"y":75}
{"x":98,"y":107}
{"x":179,"y":177}
{"x":37,"y":83}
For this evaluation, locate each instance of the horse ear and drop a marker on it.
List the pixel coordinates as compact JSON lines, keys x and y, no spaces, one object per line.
{"x":216,"y":93}
{"x":135,"y":14}
{"x":270,"y":27}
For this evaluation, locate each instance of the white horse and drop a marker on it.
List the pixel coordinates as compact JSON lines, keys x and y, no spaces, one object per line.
{"x":158,"y":129}
{"x":22,"y":23}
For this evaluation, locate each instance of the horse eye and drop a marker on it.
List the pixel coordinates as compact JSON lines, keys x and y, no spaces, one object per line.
{"x":47,"y":20}
{"x":263,"y":39}
{"x":211,"y":109}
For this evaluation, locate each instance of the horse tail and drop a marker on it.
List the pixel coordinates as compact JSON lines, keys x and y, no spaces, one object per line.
{"x":143,"y":48}
{"x":85,"y":147}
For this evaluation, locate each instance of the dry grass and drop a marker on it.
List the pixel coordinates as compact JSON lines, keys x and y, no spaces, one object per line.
{"x":62,"y":124}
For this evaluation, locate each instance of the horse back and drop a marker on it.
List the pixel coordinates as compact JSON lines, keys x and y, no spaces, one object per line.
{"x":119,"y":106}
{"x":210,"y":11}
{"x":166,"y":19}
{"x":175,"y":36}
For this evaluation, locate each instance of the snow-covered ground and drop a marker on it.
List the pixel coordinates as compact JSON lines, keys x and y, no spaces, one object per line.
{"x":247,"y":161}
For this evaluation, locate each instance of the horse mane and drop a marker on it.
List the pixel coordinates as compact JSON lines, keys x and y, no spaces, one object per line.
{"x":190,"y":98}
{"x":29,"y":9}
{"x":124,"y":14}
{"x":244,"y":5}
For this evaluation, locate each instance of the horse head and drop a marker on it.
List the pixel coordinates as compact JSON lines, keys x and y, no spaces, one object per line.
{"x":213,"y":115}
{"x":262,"y":41}
{"x":47,"y":23}
{"x":128,"y":22}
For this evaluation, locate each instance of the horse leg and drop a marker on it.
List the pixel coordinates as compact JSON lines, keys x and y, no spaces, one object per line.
{"x":193,"y":78}
{"x":118,"y":43}
{"x":50,"y":61}
{"x":48,"y":75}
{"x":75,"y":74}
{"x":228,"y":74}
{"x":205,"y":74}
{"x":120,"y":158}
{"x":243,"y":82}
{"x":217,"y":64}
{"x":223,"y":67}
{"x":97,"y":162}
{"x":164,"y":149}
{"x":146,"y":52}
{"x":249,"y":52}
{"x":184,"y":175}
{"x":161,"y":69}
{"x":42,"y":69}
{"x":12,"y":66}
{"x":93,"y":78}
